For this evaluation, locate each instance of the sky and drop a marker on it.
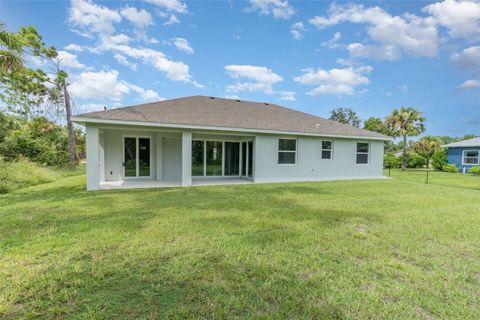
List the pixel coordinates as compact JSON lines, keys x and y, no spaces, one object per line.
{"x":312,"y":56}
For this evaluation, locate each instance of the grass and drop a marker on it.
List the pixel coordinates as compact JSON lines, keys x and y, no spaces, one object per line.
{"x":344,"y":250}
{"x":23,"y":173}
{"x":459,"y":180}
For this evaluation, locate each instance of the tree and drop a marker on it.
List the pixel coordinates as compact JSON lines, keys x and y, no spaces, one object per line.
{"x":11,"y":51}
{"x":440,"y":159}
{"x":426,"y":147}
{"x":345,"y":115}
{"x":36,"y":92}
{"x":405,"y":122}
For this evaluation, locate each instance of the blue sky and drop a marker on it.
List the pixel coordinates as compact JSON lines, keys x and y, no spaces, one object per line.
{"x":310,"y":56}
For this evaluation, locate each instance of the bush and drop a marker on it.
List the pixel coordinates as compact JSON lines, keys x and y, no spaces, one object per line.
{"x":440,"y":159}
{"x":475,"y":170}
{"x":389,"y":161}
{"x":450,"y":168}
{"x":415,"y":160}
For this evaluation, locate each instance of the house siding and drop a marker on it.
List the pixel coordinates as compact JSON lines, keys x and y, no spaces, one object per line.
{"x":310,"y":166}
{"x":455,"y":155}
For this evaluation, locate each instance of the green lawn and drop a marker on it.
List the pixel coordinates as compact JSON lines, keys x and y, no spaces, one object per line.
{"x":346,"y":249}
{"x":459,"y":180}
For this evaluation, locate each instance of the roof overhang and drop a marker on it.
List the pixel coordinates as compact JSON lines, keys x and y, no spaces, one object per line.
{"x":84,"y":120}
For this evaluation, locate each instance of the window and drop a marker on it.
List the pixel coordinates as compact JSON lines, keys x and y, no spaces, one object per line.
{"x":362,"y":152}
{"x":470,"y":157}
{"x":326,"y":150}
{"x":287,"y":151}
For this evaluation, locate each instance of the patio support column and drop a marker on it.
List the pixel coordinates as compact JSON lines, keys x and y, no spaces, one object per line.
{"x":93,"y":170}
{"x":186,"y":159}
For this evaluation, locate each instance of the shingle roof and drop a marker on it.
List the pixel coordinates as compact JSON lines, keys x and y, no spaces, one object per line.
{"x":475,"y":142}
{"x":227,"y":113}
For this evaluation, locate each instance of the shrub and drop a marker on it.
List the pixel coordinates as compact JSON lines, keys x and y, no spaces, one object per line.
{"x":475,"y":170}
{"x":440,"y":159}
{"x":450,"y":168}
{"x":415,"y":160}
{"x":389,"y":161}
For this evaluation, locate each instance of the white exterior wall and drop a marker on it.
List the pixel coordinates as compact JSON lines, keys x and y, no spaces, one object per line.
{"x":310,"y":166}
{"x":171,"y":156}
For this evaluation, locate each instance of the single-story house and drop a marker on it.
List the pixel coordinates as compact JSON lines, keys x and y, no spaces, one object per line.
{"x":464,"y":154}
{"x":206,"y":140}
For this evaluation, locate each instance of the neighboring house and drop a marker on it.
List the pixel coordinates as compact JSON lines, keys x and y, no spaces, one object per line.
{"x":202,"y":140}
{"x":464,"y":154}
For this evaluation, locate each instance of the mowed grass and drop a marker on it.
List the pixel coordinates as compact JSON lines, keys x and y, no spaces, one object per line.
{"x":459,"y":180}
{"x":347,"y":249}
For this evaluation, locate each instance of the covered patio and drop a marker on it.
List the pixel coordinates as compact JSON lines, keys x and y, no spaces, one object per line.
{"x":140,"y":157}
{"x":142,"y":184}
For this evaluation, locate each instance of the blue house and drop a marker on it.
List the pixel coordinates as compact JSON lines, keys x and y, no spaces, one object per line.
{"x":464,"y":154}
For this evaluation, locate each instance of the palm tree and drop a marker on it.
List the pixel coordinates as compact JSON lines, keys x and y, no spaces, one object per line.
{"x":11,"y":51}
{"x":405,"y":122}
{"x":426,"y":147}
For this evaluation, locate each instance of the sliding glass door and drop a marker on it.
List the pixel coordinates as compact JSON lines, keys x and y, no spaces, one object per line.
{"x":247,"y":163}
{"x":136,"y":157}
{"x":232,"y":158}
{"x":215,"y":158}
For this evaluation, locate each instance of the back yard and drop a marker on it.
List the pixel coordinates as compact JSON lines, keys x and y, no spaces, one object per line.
{"x":347,"y":249}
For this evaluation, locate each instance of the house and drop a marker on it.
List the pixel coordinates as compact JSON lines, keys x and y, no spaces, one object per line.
{"x":205,"y":140}
{"x":464,"y":154}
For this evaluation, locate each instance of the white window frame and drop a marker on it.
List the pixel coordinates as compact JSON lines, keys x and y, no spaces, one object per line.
{"x":331,"y":150}
{"x":367,"y":153}
{"x":288,"y":151}
{"x":470,"y":164}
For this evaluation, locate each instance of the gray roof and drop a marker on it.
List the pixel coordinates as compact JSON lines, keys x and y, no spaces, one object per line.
{"x":475,"y":142}
{"x":226,"y":113}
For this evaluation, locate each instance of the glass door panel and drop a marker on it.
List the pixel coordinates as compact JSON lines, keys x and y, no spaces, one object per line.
{"x":244,"y":158}
{"x":197,"y":158}
{"x":144,"y":157}
{"x":250,"y":157}
{"x":214,"y":158}
{"x":130,"y":157}
{"x":232,"y":158}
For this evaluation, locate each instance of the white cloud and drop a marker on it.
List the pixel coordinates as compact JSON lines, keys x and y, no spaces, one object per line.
{"x":403,"y":88}
{"x":333,"y":42}
{"x":378,"y":52}
{"x":260,"y":78}
{"x":150,"y":96}
{"x":469,"y":84}
{"x":105,"y":85}
{"x":91,"y":107}
{"x":74,"y":47}
{"x":232,"y":96}
{"x":99,"y":85}
{"x":172,"y":20}
{"x":461,"y":18}
{"x":139,"y":18}
{"x":69,"y":60}
{"x":297,"y":30}
{"x":124,"y":61}
{"x":174,"y":70}
{"x":287,"y":96}
{"x":170,"y":5}
{"x":279,"y":9}
{"x":407,"y":34}
{"x":90,"y":17}
{"x":469,"y":58}
{"x":334,"y":81}
{"x":182,"y":45}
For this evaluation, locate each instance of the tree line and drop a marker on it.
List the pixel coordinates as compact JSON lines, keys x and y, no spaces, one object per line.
{"x":403,"y":122}
{"x":33,"y":94}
